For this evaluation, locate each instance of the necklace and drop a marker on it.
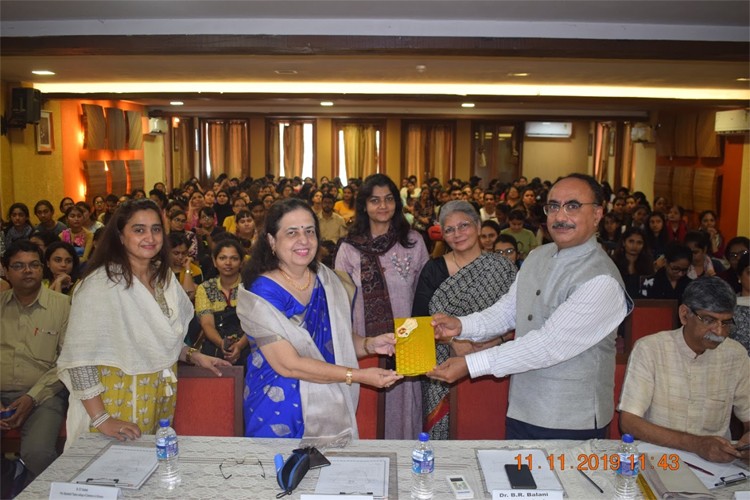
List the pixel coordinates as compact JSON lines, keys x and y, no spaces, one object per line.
{"x":293,"y":283}
{"x":455,"y":261}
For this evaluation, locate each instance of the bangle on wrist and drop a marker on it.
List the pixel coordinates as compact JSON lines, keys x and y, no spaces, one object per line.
{"x":189,"y":355}
{"x":98,"y":421}
{"x":349,"y":375}
{"x":367,"y":345}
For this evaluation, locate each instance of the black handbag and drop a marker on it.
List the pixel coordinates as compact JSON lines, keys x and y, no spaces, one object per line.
{"x":228,"y":325}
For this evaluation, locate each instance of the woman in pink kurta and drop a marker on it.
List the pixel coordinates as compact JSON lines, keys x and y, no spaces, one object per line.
{"x":384,"y":257}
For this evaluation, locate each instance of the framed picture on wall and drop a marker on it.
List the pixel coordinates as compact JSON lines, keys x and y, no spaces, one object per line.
{"x":44,"y":136}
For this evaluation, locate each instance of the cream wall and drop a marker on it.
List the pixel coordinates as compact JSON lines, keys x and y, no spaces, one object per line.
{"x":6,"y":165}
{"x":549,"y":159}
{"x":154,"y":161}
{"x":644,"y":168}
{"x":743,"y":221}
{"x":28,"y":176}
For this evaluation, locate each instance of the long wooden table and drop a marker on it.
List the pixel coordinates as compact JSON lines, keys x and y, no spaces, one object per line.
{"x":201,"y":479}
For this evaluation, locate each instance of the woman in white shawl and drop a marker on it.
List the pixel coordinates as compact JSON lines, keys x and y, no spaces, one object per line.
{"x":302,"y":376}
{"x":125,"y":332}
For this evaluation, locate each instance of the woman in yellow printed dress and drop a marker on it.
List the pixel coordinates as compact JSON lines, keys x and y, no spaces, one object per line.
{"x":125,"y":331}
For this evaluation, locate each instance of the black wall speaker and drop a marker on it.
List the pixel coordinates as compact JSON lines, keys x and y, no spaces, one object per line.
{"x":26,"y":106}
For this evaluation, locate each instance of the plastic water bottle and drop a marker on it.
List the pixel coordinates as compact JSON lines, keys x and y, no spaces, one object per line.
{"x":422,"y":468}
{"x":627,"y":474}
{"x":167,"y":452}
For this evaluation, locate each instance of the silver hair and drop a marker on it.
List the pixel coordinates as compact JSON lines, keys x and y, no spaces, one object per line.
{"x":710,"y":293}
{"x":461,"y":206}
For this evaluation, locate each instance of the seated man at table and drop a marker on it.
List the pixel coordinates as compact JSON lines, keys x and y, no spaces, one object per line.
{"x":33,"y":320}
{"x":681,"y":385}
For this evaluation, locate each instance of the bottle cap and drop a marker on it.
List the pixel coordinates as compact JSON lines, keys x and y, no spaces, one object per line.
{"x":627,"y":438}
{"x":164,"y":422}
{"x":423,"y":436}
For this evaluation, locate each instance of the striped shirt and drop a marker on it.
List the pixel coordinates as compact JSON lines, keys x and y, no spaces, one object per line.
{"x":579,"y":323}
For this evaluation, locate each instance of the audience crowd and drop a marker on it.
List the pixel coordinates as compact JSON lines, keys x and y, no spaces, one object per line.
{"x":458,"y":251}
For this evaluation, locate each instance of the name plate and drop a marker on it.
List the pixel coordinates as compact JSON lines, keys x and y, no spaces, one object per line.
{"x":536,"y":494}
{"x":61,"y":491}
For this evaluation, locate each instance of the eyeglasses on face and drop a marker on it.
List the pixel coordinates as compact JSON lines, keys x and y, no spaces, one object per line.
{"x":20,"y":266}
{"x":710,"y":321}
{"x":570,"y":207}
{"x":507,"y":251}
{"x":679,"y":270}
{"x":461,"y":227}
{"x":736,"y":255}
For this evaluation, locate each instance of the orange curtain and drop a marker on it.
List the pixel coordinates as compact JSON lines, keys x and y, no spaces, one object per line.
{"x":183,"y":159}
{"x":429,"y":151}
{"x":216,"y":148}
{"x":294,"y":149}
{"x":237,"y":150}
{"x":227,"y":150}
{"x":416,"y":158}
{"x":360,"y":150}
{"x":601,"y":153}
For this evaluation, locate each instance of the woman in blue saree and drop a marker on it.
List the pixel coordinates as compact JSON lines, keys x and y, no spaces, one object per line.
{"x":302,"y":376}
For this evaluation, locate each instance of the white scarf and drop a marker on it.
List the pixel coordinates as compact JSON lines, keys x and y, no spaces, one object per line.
{"x":111,"y":325}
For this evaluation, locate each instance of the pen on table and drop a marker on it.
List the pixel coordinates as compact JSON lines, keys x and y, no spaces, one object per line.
{"x":692,"y":466}
{"x":591,"y":481}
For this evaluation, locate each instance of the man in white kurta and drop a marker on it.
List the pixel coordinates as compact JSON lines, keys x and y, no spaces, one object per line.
{"x":681,"y":385}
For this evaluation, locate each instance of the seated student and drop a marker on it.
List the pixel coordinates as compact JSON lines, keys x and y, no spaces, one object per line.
{"x":188,"y":274}
{"x":230,"y":223}
{"x":62,"y":267}
{"x":245,"y":229}
{"x":507,"y":246}
{"x":701,"y":264}
{"x":216,"y":305}
{"x":488,"y":234}
{"x":735,"y":249}
{"x":33,"y":320}
{"x":45,"y":212}
{"x":206,"y":232}
{"x":332,"y":229}
{"x":43,"y":238}
{"x":76,"y":234}
{"x":670,"y":281}
{"x":681,"y":385}
{"x":633,"y":259}
{"x":527,"y":240}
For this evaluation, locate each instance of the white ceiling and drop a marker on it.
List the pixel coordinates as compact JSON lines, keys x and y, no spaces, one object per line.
{"x":709,"y":21}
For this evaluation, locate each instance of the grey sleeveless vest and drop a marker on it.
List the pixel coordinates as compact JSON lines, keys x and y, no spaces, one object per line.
{"x":577,"y":393}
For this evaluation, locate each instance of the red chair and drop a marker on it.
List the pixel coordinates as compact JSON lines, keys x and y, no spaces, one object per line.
{"x":208,"y":405}
{"x":648,"y":317}
{"x":371,"y":408}
{"x":478,"y":408}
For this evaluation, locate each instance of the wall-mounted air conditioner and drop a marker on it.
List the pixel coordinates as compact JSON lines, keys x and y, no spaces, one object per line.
{"x":157,"y":126}
{"x":735,"y":121}
{"x":555,"y":130}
